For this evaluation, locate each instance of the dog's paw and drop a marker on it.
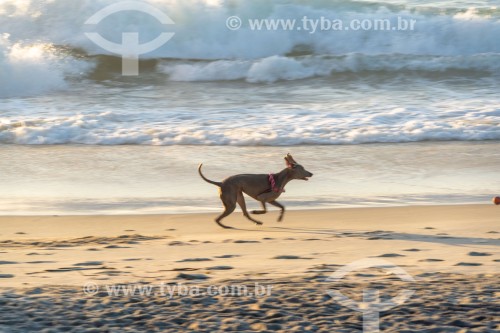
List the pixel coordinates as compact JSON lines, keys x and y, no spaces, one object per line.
{"x":223,"y":225}
{"x":259,"y":223}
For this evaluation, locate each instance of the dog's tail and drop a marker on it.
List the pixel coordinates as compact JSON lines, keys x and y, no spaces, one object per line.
{"x":206,"y":179}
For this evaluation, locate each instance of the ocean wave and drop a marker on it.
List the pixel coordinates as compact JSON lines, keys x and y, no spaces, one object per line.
{"x":257,"y":127}
{"x":278,"y":68}
{"x":34,"y":68}
{"x":27,"y":69}
{"x":44,"y":42}
{"x":201,"y":32}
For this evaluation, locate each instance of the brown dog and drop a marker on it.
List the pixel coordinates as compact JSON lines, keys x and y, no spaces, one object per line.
{"x":261,"y":187}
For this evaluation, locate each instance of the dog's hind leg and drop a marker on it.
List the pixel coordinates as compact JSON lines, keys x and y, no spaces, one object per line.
{"x":241,"y":202}
{"x":229,"y":206}
{"x":228,"y":210}
{"x":263,"y":211}
{"x":277,"y":204}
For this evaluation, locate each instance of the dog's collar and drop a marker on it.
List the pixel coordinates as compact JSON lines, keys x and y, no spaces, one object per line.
{"x":273,"y":185}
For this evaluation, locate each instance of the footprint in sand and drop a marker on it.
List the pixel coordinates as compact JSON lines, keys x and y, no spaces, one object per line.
{"x":479,"y":254}
{"x":391,"y":255}
{"x":8,"y":262}
{"x":179,"y":269}
{"x":194,"y":260}
{"x":366,"y":275}
{"x":178,"y":243}
{"x":219,"y":268}
{"x":73,"y":269}
{"x":290,"y":257}
{"x":469,"y":264}
{"x":6,"y":276}
{"x":431,"y":260}
{"x":41,"y":262}
{"x":192,"y":276}
{"x":227,"y":256}
{"x":90,"y":263}
{"x":429,"y":228}
{"x":241,"y":241}
{"x":412,"y":250}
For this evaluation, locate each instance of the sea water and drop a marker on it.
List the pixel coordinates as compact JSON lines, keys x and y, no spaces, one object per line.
{"x":379,"y":117}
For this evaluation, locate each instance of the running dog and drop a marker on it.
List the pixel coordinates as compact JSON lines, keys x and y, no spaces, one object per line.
{"x":263,"y":188}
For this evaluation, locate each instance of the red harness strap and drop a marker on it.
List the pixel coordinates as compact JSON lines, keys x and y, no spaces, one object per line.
{"x":273,"y":184}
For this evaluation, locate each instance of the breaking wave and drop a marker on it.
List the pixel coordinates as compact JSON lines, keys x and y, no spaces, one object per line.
{"x":444,"y":39}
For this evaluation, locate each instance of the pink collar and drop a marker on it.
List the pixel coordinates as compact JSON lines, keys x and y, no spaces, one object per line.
{"x":273,"y":184}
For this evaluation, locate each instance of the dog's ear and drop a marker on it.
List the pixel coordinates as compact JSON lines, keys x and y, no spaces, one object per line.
{"x":290,"y":162}
{"x":290,"y":158}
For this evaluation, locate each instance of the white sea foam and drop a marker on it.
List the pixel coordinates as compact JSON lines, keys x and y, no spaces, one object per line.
{"x":258,"y":127}
{"x":28,"y":69}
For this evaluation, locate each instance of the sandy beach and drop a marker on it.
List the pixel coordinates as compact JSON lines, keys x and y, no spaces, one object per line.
{"x":58,"y":272}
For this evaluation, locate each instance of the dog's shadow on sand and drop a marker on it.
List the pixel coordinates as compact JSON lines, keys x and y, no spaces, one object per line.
{"x":379,"y":235}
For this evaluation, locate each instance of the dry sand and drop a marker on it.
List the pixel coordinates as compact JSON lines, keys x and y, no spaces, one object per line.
{"x":51,"y":267}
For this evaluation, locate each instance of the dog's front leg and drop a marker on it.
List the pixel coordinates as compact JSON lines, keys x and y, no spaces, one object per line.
{"x":263,"y":211}
{"x":277,"y":204}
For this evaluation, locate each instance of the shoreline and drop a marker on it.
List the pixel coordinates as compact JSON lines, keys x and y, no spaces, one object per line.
{"x":302,"y":210}
{"x":290,"y":205}
{"x":217,"y":210}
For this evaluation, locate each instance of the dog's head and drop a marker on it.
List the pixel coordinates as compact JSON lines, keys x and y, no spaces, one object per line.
{"x":297,"y":170}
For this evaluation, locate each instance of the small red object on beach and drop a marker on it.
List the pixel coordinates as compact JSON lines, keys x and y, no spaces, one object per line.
{"x":496,"y":200}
